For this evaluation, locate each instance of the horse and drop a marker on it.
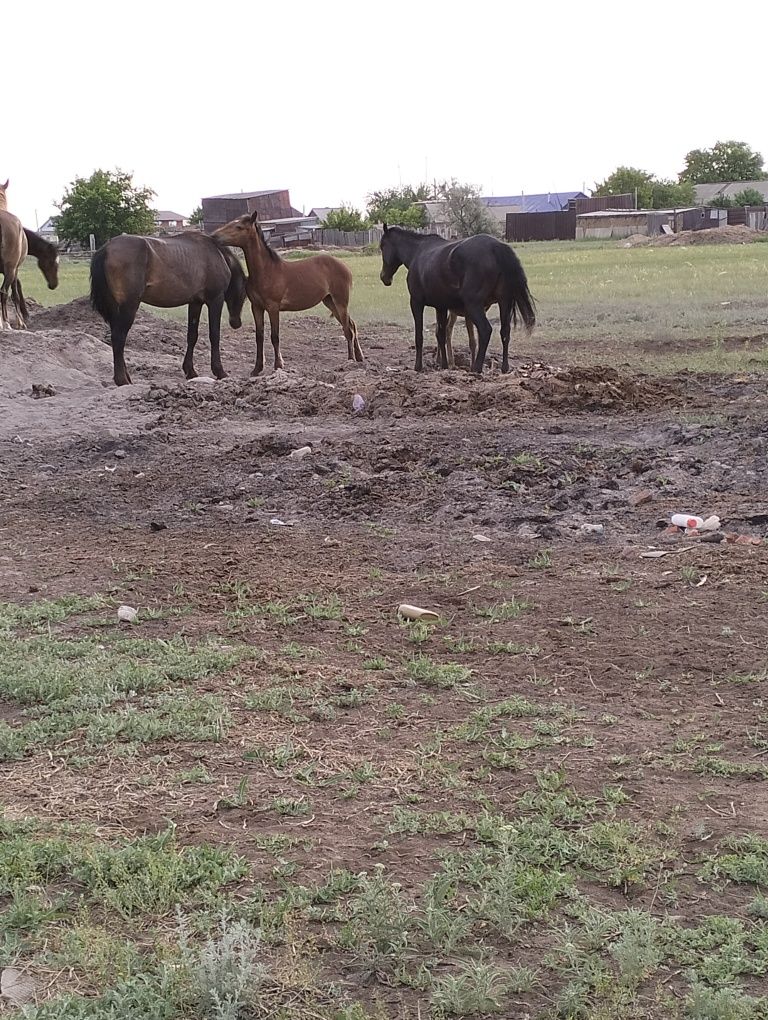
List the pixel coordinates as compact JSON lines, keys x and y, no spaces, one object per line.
{"x":186,"y":269}
{"x":465,"y":277}
{"x":276,"y":286}
{"x":13,"y":251}
{"x":452,"y":317}
{"x":47,"y":256}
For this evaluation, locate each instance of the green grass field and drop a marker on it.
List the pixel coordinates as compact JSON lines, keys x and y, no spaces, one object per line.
{"x":587,"y":293}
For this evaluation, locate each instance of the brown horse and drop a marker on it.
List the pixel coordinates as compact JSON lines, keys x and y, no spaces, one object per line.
{"x":452,"y":317}
{"x":13,"y":251}
{"x":47,"y":256}
{"x":186,"y":269}
{"x":276,"y":286}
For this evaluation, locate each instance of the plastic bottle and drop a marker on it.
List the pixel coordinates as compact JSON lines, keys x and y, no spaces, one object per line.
{"x":690,"y":521}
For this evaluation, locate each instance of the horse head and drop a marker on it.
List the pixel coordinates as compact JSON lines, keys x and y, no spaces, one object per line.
{"x":237,"y":232}
{"x":390,"y":258}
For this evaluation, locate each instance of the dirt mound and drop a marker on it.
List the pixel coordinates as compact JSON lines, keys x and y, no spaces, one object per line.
{"x":147,"y":331}
{"x":600,"y":388}
{"x":62,"y":358}
{"x":716,"y":235}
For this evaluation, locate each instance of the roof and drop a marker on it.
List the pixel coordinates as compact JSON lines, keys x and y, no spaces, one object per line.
{"x":48,"y":225}
{"x":321,"y":211}
{"x":249,"y":194}
{"x":550,"y":201}
{"x":165,"y":214}
{"x":706,"y":192}
{"x":638,"y":213}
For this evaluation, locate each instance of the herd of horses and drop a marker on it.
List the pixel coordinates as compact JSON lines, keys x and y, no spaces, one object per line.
{"x":456,"y":278}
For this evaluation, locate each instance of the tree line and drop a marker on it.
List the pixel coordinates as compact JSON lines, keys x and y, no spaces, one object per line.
{"x":724,"y":162}
{"x":108,"y":203}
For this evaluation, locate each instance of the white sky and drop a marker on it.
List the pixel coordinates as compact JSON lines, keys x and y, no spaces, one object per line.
{"x":334,"y":99}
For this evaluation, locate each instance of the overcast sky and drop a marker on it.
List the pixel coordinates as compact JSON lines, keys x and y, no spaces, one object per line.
{"x":335,"y":99}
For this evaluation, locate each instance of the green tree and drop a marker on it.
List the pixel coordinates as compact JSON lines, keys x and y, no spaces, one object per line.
{"x":196,"y":219}
{"x":725,"y":161}
{"x":345,"y":218}
{"x":397,"y":206}
{"x":748,"y":196}
{"x":722,"y":202}
{"x":652,"y":192}
{"x":105,"y":204}
{"x":465,"y":213}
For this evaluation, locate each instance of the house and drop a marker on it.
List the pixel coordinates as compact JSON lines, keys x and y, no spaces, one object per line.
{"x":319,"y":213}
{"x":548,"y":201}
{"x":167,"y":222}
{"x":272,"y":204}
{"x":499,"y":205}
{"x":706,"y":193}
{"x":49,"y":230}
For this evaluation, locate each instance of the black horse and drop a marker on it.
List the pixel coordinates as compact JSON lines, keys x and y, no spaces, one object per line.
{"x":466,"y":277}
{"x":186,"y":269}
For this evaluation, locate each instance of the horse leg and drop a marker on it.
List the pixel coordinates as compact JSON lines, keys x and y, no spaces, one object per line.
{"x":120,"y":323}
{"x":194,"y":308}
{"x":476,"y":315}
{"x":258,"y":321}
{"x":340,"y":312}
{"x":4,"y":323}
{"x":448,"y":337}
{"x":442,"y":322}
{"x":274,"y":327}
{"x":20,"y":319}
{"x":472,"y":341}
{"x":505,"y":314}
{"x":417,"y":310}
{"x":18,"y":299}
{"x":215,"y":308}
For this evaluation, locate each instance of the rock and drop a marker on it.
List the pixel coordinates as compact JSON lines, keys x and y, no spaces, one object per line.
{"x":527,"y":532}
{"x":157,"y":526}
{"x":120,"y":454}
{"x":592,"y":530}
{"x":641,"y":498}
{"x":300,"y":453}
{"x":127,"y":614}
{"x":16,"y":987}
{"x":40,"y":390}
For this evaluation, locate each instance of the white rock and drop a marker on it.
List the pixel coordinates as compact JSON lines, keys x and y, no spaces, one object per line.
{"x":127,"y":614}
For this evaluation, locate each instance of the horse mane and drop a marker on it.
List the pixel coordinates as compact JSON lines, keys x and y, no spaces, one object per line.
{"x":406,"y":232}
{"x":271,"y":253}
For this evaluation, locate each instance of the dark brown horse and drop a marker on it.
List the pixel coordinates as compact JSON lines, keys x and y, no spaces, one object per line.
{"x":13,"y":251}
{"x":276,"y":286}
{"x":47,"y":256}
{"x":465,"y":277}
{"x":187,"y":269}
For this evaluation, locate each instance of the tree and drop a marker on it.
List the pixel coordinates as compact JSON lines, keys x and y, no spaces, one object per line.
{"x":397,"y":206}
{"x":105,"y":204}
{"x":197,"y":219}
{"x":345,"y":218}
{"x":652,"y":192}
{"x":465,"y":213}
{"x":725,"y":161}
{"x":748,"y":196}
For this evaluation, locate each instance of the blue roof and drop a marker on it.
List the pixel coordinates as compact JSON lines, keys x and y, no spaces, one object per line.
{"x":550,"y":201}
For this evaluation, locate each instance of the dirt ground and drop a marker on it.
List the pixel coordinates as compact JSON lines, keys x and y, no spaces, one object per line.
{"x":447,"y":491}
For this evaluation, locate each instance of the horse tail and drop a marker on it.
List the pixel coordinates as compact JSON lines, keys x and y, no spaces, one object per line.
{"x":102,"y":299}
{"x":516,"y":286}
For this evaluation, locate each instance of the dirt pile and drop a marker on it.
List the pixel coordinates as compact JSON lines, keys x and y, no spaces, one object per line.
{"x":600,"y":388}
{"x":62,"y":358}
{"x":147,"y":331}
{"x":717,"y":235}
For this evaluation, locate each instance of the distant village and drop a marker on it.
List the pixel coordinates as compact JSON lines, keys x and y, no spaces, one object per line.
{"x":553,"y":215}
